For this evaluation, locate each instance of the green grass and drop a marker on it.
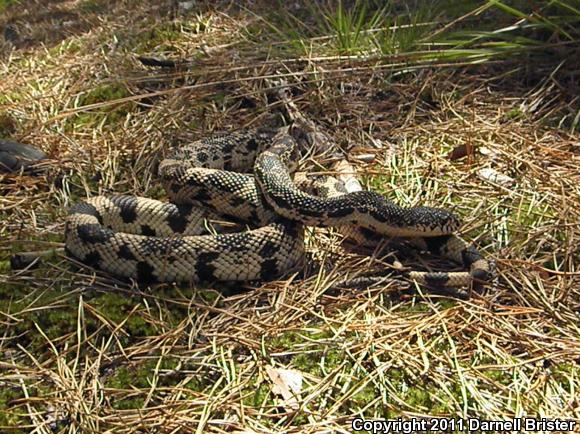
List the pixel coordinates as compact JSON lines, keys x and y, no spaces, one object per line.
{"x":363,"y":28}
{"x":350,"y":25}
{"x":371,"y":29}
{"x":534,"y":30}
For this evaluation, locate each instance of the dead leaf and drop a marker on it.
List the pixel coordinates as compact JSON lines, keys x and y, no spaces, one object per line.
{"x":366,"y":158}
{"x":487,"y":152}
{"x":492,"y":175}
{"x":288,"y":383}
{"x":458,"y":152}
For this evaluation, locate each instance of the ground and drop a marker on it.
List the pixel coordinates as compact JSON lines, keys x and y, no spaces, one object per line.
{"x":492,"y":138}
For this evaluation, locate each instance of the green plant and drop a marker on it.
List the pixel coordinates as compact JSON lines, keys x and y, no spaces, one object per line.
{"x":352,"y":27}
{"x":537,"y":27}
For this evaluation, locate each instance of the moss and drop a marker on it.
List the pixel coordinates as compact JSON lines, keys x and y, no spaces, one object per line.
{"x":130,"y":377}
{"x":563,"y":373}
{"x":286,"y":340}
{"x":300,"y":419}
{"x":418,"y":397}
{"x":141,"y":375}
{"x":444,"y":304}
{"x":10,"y":417}
{"x":417,"y":307}
{"x":128,"y":403}
{"x":58,"y":317}
{"x":117,"y":308}
{"x":174,"y":313}
{"x":209,"y":297}
{"x":196,"y":384}
{"x":57,"y":323}
{"x":220,"y":99}
{"x":423,"y":394}
{"x":441,"y":405}
{"x":76,"y":183}
{"x":499,"y":376}
{"x":13,"y":401}
{"x":362,"y":398}
{"x":157,"y":38}
{"x":258,"y":396}
{"x":26,"y":243}
{"x":395,"y":375}
{"x":331,"y":359}
{"x":514,"y":114}
{"x":14,"y":300}
{"x":319,"y":364}
{"x":109,"y":115}
{"x":156,"y":192}
{"x":104,"y":93}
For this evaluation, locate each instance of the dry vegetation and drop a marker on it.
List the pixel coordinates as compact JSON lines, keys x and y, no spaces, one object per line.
{"x":82,"y":352}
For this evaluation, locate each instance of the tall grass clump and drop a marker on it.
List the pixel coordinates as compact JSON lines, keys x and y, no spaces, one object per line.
{"x":342,"y":28}
{"x":499,"y":29}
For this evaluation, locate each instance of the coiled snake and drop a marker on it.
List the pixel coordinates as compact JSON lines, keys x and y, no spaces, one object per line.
{"x":153,"y":241}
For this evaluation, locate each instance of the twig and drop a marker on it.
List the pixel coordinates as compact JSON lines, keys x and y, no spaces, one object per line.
{"x":19,"y":261}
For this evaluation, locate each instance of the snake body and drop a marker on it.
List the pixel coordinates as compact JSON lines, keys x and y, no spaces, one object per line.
{"x":153,"y":241}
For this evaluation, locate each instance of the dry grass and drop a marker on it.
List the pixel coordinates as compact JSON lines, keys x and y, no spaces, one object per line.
{"x":82,"y":352}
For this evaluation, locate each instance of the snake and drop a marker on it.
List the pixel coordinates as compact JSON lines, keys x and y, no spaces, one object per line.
{"x":248,"y":178}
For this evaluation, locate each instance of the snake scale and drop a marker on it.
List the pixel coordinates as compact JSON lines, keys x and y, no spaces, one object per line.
{"x":247,"y":177}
